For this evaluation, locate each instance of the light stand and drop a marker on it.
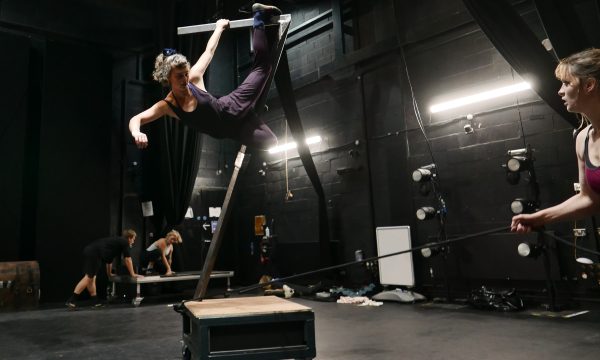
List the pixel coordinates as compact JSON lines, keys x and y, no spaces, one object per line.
{"x":521,"y":160}
{"x":551,"y":287}
{"x":534,"y":251}
{"x":426,"y":175}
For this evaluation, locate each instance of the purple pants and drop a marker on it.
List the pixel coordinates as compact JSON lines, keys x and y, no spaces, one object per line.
{"x":240,"y":102}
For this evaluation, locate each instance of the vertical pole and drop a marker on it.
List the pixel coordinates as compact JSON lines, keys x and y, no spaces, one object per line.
{"x":542,"y":241}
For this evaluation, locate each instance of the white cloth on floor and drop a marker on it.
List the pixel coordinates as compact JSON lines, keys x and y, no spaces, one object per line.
{"x":358,"y":300}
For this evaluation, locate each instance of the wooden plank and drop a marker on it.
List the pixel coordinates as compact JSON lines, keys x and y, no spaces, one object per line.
{"x":243,"y":306}
{"x":215,"y":244}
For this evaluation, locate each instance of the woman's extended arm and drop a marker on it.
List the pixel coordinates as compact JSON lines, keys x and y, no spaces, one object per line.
{"x":162,"y":245}
{"x":156,"y":111}
{"x":199,"y":68}
{"x":585,"y":203}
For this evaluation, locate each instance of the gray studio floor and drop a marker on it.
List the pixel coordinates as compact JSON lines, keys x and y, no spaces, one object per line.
{"x":392,"y":331}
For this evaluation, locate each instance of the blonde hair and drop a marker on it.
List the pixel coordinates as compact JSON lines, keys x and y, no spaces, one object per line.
{"x":581,"y":65}
{"x":128,"y":233}
{"x":164,"y":64}
{"x":176,"y":234}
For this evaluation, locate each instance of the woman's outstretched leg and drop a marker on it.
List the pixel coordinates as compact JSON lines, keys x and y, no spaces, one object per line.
{"x":241,"y":100}
{"x":256,"y":133}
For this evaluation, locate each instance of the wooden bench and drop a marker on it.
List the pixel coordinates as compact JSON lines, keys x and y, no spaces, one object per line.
{"x":179,"y":276}
{"x":246,"y":328}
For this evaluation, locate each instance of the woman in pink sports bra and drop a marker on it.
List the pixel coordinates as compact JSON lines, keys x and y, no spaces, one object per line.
{"x":580,"y":77}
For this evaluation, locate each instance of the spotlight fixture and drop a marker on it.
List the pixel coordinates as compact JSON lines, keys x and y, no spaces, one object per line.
{"x":522,"y":206}
{"x":426,"y":213}
{"x":526,"y":249}
{"x":431,"y":251}
{"x":519,"y":160}
{"x":424,"y":173}
{"x":584,"y":260}
{"x":518,"y":163}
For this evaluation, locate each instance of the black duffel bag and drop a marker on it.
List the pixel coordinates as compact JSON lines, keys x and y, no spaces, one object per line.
{"x":496,"y":299}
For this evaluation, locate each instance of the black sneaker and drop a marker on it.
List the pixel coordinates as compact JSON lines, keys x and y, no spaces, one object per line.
{"x":267,"y":9}
{"x":71,"y":305}
{"x":97,"y":305}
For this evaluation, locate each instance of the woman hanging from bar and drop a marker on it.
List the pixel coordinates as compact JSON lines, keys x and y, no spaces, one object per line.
{"x":231,"y":116}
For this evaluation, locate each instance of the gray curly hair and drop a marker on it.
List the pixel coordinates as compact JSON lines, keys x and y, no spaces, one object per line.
{"x":164,"y":64}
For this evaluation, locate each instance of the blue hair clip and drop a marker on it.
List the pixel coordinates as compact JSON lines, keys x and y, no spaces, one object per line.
{"x":169,"y":52}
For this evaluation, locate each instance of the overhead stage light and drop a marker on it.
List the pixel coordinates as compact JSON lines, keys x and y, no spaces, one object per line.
{"x":309,"y":141}
{"x":424,"y":173}
{"x":486,"y":95}
{"x":426,"y":213}
{"x":522,"y":206}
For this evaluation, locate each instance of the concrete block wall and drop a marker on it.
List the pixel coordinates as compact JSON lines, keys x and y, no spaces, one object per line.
{"x":446,"y":55}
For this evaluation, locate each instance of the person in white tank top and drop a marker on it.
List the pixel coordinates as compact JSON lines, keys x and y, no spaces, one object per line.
{"x":162,"y":250}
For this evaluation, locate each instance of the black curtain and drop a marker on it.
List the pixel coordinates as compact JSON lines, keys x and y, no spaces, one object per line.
{"x":562,"y":26}
{"x":179,"y":147}
{"x":285,"y":89}
{"x":522,"y":50}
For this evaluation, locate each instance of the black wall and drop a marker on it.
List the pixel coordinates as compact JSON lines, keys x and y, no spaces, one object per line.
{"x":74,"y":158}
{"x":13,"y":140}
{"x":68,"y":173}
{"x":368,"y":184}
{"x":57,"y":141}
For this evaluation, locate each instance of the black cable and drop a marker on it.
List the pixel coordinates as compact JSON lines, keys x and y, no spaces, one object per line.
{"x":428,"y":245}
{"x":179,"y":307}
{"x":436,"y":192}
{"x":416,"y":105}
{"x":567,"y":242}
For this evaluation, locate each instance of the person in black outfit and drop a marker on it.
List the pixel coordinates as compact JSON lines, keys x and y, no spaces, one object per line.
{"x":102,"y":251}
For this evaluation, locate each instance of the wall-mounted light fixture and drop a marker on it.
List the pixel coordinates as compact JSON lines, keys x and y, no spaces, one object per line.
{"x":482,"y":96}
{"x":523,"y":206}
{"x":424,"y":173}
{"x":426,"y":213}
{"x":292,"y":145}
{"x":431,"y":251}
{"x":528,"y":249}
{"x":518,"y":160}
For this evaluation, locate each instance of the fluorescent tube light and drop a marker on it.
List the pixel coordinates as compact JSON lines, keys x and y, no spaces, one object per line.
{"x":309,"y":141}
{"x":486,"y":95}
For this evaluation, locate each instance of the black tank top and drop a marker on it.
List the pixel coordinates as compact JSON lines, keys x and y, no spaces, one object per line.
{"x":206,"y":118}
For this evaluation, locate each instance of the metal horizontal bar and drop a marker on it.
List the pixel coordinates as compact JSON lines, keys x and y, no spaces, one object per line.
{"x":234,"y":24}
{"x":177,"y":277}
